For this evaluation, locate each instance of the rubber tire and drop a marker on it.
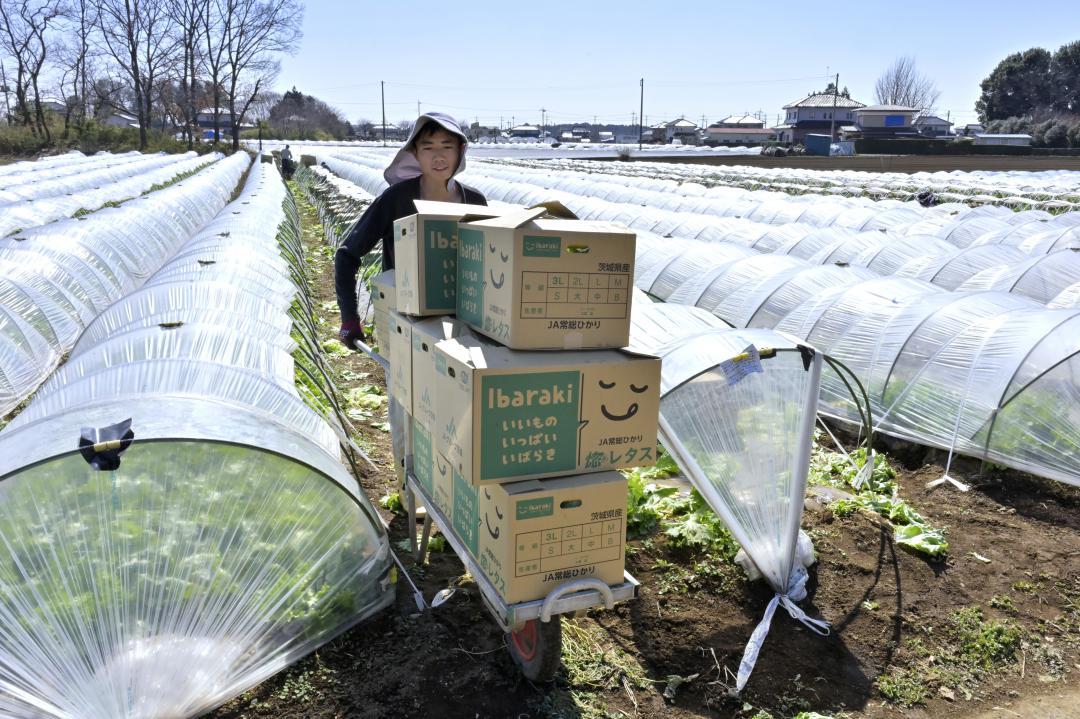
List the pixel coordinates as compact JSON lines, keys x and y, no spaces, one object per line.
{"x":537,"y":648}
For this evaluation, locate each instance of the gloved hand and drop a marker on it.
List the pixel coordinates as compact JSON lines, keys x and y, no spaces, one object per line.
{"x":351,"y":331}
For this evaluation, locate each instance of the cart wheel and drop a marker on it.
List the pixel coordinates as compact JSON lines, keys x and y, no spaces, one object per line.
{"x":537,"y":648}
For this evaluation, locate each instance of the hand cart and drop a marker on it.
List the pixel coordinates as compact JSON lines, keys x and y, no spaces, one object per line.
{"x":533,"y":639}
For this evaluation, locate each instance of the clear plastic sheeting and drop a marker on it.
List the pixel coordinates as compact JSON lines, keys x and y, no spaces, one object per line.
{"x":60,"y":276}
{"x":737,"y":413}
{"x":952,"y":270}
{"x":888,"y":258}
{"x":229,"y":541}
{"x":987,"y":374}
{"x":29,"y":204}
{"x":1067,"y":298}
{"x":1042,"y":278}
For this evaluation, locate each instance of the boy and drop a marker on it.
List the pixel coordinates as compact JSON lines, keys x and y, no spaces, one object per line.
{"x":423,"y":169}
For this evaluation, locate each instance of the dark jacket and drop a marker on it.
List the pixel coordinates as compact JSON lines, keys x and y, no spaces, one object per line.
{"x":377,"y":223}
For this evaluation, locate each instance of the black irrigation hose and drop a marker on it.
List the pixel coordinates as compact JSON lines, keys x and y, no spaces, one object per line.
{"x":866,"y":417}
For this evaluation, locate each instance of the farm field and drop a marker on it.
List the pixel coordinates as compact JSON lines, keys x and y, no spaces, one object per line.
{"x":952,"y":296}
{"x":896,"y":614}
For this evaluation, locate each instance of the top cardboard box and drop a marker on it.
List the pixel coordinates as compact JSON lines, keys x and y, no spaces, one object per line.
{"x":425,"y":255}
{"x":551,"y":284}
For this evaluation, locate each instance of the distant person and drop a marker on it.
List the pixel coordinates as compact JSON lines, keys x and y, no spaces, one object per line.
{"x":286,"y":162}
{"x":423,"y":169}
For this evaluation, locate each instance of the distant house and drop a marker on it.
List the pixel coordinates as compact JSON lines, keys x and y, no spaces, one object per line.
{"x":682,"y":130}
{"x":814,"y":114}
{"x":740,"y":121}
{"x":204,"y":119}
{"x":886,"y":120}
{"x":1012,"y":140}
{"x":526,"y":130}
{"x":581,"y":133}
{"x":393,"y":132}
{"x":932,"y":126}
{"x":119,"y":119}
{"x":737,"y":135}
{"x":604,"y":136}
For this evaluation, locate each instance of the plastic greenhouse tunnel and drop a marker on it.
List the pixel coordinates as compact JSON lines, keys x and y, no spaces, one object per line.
{"x":737,"y":413}
{"x":176,"y":523}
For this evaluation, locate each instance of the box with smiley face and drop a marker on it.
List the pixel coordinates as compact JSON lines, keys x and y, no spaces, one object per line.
{"x":532,"y":536}
{"x":535,"y":283}
{"x":505,"y":415}
{"x":425,"y":256}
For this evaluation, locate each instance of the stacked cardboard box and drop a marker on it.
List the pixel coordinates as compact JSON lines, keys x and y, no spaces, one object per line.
{"x":516,"y":446}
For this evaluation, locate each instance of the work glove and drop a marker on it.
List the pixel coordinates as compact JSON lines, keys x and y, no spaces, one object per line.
{"x":352,"y":330}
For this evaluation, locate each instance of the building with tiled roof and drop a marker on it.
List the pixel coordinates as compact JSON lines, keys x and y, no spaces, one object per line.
{"x":740,"y":121}
{"x":814,"y":115}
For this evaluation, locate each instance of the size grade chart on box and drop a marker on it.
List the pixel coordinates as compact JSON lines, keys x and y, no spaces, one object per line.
{"x":565,"y":547}
{"x":574,"y":295}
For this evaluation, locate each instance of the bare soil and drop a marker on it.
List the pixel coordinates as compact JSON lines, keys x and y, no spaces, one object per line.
{"x":1014,"y":553}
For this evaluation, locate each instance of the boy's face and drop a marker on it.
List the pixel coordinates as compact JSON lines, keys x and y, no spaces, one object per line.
{"x":438,"y":153}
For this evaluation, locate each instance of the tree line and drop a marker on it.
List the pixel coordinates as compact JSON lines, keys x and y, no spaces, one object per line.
{"x":162,"y":62}
{"x":1036,"y":92}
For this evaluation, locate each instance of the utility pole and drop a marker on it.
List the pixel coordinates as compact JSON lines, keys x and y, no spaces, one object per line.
{"x":418,"y":108}
{"x":832,"y":118}
{"x":542,"y":123}
{"x":641,"y":113}
{"x":382,"y":94}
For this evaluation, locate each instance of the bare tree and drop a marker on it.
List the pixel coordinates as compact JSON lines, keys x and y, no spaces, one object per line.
{"x":75,"y":62}
{"x":22,"y":35}
{"x":188,"y":16}
{"x":258,"y":30}
{"x":902,"y":84}
{"x":138,"y":36}
{"x":217,"y":19}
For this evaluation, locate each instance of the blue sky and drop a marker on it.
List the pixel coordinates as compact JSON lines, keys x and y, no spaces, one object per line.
{"x":583,"y":59}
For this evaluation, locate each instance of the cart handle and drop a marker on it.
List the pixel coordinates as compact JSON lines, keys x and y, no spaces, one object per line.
{"x":358,"y":344}
{"x":578,"y":585}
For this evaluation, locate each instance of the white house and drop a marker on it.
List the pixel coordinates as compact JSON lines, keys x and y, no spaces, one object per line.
{"x":682,"y":129}
{"x":932,"y":126}
{"x":886,"y":120}
{"x":734,"y":121}
{"x":737,"y":135}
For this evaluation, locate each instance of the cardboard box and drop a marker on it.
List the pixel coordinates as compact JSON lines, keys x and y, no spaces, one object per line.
{"x":425,"y":335}
{"x":504,"y":416}
{"x":443,"y":480}
{"x":384,"y":292}
{"x":535,"y":535}
{"x":534,"y":283}
{"x":425,"y":255}
{"x":399,"y":383}
{"x":403,"y":459}
{"x":383,"y":299}
{"x":423,"y":457}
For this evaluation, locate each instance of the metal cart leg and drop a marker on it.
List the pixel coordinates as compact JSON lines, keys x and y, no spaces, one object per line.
{"x":421,"y":553}
{"x":410,"y":507}
{"x":537,"y":648}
